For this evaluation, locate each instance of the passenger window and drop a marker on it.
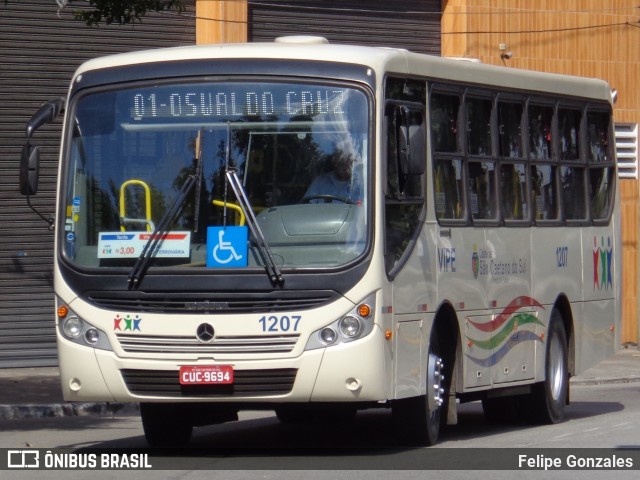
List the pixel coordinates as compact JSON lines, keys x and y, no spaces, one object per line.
{"x":513,"y":191}
{"x":601,"y":170}
{"x":598,"y":136}
{"x":479,"y":126}
{"x":544,"y":192}
{"x":449,"y":189}
{"x":601,"y":187}
{"x":482,"y":190}
{"x":540,"y":118}
{"x":444,"y":122}
{"x":573,"y":192}
{"x":569,"y":130}
{"x":404,"y":197}
{"x":510,"y":130}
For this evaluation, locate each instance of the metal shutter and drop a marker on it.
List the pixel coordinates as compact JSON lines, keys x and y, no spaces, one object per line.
{"x":39,"y":52}
{"x":411,"y":24}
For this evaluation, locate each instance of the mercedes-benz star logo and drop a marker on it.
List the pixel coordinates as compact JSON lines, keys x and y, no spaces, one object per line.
{"x":205,"y":332}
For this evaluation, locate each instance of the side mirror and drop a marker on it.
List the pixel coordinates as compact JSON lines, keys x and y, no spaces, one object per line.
{"x":45,"y":114}
{"x":30,"y":159}
{"x":29,"y":169}
{"x":411,"y":139}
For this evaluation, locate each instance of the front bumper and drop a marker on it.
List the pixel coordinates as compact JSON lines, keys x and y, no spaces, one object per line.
{"x":351,"y":372}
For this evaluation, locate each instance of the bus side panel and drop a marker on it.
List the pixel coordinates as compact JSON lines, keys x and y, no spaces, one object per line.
{"x":600,"y":288}
{"x":556,"y":270}
{"x":415,"y":285}
{"x":462,"y":267}
{"x":515,"y":330}
{"x":414,"y":293}
{"x":556,"y":265}
{"x":410,"y":357}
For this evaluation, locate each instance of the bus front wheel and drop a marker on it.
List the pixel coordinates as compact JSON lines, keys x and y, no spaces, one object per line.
{"x":417,"y":420}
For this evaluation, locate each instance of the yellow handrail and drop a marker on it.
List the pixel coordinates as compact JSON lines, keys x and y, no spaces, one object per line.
{"x":233,"y":206}
{"x":123,"y":207}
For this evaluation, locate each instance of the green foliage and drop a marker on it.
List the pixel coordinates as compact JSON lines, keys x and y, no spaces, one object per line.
{"x":122,"y":12}
{"x":119,"y":12}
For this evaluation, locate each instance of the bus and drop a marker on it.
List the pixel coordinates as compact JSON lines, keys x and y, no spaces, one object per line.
{"x":319,"y":229}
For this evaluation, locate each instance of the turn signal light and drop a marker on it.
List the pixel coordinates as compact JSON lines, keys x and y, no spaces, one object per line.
{"x":364,"y":310}
{"x":63,"y":311}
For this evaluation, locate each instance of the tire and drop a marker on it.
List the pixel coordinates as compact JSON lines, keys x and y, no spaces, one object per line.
{"x":165,"y":425}
{"x":417,"y":420}
{"x":547,"y":401}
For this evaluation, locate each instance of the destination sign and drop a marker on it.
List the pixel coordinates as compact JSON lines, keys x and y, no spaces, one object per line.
{"x":232,"y":100}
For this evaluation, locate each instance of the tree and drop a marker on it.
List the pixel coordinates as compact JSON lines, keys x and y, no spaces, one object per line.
{"x":120,"y":12}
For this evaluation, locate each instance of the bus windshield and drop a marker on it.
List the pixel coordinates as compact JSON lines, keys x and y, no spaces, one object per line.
{"x":299,"y":150}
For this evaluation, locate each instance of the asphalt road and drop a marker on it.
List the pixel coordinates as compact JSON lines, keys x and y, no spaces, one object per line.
{"x":601,"y":416}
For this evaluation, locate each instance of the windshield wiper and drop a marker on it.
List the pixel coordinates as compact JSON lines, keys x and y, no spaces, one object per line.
{"x":263,"y":247}
{"x":151,"y":247}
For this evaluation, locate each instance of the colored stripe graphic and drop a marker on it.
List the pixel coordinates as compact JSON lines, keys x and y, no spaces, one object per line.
{"x":505,"y":331}
{"x":515,"y":305}
{"x":516,"y":339}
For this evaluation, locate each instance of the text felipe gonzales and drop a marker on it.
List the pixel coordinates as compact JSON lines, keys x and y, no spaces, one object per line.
{"x":543,"y":462}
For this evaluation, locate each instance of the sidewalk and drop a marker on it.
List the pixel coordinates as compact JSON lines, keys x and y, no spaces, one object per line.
{"x":36,"y":393}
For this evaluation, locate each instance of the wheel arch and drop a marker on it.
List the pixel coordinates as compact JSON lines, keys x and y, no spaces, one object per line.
{"x":446,"y":325}
{"x":563,"y":307}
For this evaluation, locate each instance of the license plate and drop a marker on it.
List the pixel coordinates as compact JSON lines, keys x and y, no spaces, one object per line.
{"x":206,"y":375}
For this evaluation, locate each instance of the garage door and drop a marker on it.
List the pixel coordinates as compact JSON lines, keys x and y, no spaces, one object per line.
{"x":411,"y":24}
{"x":39,"y":50}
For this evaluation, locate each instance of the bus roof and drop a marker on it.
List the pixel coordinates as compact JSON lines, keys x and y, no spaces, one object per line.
{"x":381,"y":59}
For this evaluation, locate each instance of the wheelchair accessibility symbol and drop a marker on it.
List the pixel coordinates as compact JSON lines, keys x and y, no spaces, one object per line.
{"x":227,"y":246}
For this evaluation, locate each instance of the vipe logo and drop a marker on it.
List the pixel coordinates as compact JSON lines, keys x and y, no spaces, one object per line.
{"x":23,"y":459}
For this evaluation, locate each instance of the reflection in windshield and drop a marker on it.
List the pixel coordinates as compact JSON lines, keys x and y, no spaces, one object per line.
{"x":300,"y":152}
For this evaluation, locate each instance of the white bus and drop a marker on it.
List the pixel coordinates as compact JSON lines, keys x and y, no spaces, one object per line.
{"x":318,"y":229}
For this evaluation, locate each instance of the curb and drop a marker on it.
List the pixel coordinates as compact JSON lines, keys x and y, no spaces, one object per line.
{"x":17,"y":412}
{"x":603,"y":381}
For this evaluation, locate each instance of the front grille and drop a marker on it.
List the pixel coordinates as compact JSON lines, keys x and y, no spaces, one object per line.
{"x":219,"y":302}
{"x":241,"y":344}
{"x":247,"y":383}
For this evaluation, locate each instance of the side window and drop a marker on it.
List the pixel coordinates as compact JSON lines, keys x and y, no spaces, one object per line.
{"x":573,"y":192}
{"x":598,"y":137}
{"x":510,"y":130}
{"x":513,"y":191}
{"x":448,"y":164}
{"x":601,"y":188}
{"x":444,"y":110}
{"x":481,"y":173}
{"x":449,"y":188}
{"x":514,"y":198}
{"x":601,"y":167}
{"x":540,"y":118}
{"x":479,"y":126}
{"x":406,"y":161}
{"x":569,"y":132}
{"x":482,"y":190}
{"x":544,"y":192}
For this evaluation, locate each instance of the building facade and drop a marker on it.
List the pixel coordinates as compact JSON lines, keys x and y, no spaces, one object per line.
{"x":40,"y":48}
{"x":592,"y":38}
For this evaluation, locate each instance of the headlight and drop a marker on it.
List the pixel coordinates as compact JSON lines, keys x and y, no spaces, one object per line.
{"x":328,"y":336}
{"x":72,"y":327}
{"x":77,"y":330}
{"x":350,"y":326}
{"x":356,"y":324}
{"x":92,"y":336}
